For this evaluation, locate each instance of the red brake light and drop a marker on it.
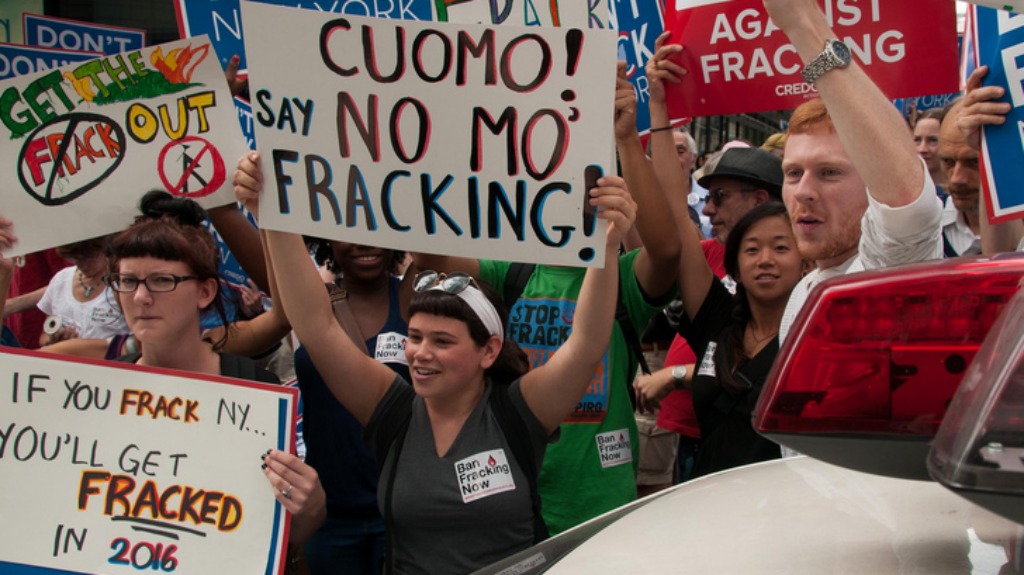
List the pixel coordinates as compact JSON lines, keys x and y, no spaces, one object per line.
{"x":881,"y":353}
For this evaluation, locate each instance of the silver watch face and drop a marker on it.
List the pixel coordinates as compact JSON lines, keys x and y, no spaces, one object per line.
{"x":842,"y":51}
{"x":678,"y":373}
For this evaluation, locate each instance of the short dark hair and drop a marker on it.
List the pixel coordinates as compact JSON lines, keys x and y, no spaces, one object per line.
{"x":84,"y":249}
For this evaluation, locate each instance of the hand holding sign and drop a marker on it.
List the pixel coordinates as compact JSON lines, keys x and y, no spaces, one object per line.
{"x":980,"y":108}
{"x":614,"y":203}
{"x":296,"y":487}
{"x":663,"y":67}
{"x":625,"y":105}
{"x":7,"y":237}
{"x":249,"y":183}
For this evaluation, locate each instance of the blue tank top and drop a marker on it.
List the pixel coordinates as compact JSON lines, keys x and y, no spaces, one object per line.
{"x":334,"y":439}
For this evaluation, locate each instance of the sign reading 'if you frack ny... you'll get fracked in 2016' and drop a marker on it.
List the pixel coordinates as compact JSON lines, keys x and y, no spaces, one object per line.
{"x":79,"y":145}
{"x":129,"y":470}
{"x":457,"y":139}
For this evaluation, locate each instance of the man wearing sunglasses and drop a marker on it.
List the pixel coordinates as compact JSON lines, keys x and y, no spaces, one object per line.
{"x":741,"y":180}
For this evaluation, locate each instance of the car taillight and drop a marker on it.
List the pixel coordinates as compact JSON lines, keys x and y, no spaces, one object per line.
{"x":979,"y":448}
{"x":873,"y":360}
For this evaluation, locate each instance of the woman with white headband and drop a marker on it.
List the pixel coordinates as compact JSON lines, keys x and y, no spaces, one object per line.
{"x":456,"y":490}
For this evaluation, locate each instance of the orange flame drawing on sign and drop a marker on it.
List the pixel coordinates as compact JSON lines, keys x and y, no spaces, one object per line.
{"x":179,"y":64}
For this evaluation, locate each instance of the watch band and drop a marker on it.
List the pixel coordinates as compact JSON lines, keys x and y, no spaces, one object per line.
{"x":679,"y":377}
{"x":834,"y":55}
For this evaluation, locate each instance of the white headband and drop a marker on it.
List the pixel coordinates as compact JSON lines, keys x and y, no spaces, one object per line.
{"x":483,"y":308}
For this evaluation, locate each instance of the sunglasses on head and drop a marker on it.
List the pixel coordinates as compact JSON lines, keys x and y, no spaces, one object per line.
{"x":452,"y":283}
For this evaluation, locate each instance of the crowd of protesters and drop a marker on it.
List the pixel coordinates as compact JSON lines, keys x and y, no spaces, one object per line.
{"x":706,"y":267}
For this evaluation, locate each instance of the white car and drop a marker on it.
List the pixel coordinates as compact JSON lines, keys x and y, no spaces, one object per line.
{"x":863,"y":386}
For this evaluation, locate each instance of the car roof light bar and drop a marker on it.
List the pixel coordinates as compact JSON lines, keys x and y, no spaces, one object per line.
{"x":979,"y":448}
{"x":879,"y":355}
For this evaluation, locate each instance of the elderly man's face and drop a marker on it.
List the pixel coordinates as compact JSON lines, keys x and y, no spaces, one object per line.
{"x":687,"y":157}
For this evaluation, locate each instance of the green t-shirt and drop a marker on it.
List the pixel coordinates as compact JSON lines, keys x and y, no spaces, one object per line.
{"x":592,"y":468}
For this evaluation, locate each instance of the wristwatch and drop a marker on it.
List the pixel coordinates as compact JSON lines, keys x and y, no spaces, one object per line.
{"x":678,"y":376}
{"x":835,"y":55}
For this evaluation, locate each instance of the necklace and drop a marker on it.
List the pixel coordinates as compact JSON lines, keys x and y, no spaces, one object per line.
{"x":86,"y":287}
{"x":757,"y":341}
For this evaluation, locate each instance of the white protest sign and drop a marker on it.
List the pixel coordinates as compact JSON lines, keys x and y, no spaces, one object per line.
{"x":454,"y":139}
{"x":127,"y":469}
{"x":81,"y":144}
{"x":574,"y":13}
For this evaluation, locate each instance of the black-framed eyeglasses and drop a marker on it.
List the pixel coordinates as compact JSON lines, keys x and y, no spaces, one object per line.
{"x":155,"y":283}
{"x":452,"y":283}
{"x":717,"y":196}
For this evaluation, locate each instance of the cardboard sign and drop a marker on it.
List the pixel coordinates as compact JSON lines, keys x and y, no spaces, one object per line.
{"x":638,"y":22}
{"x":50,"y":32}
{"x":739,"y":61}
{"x":221,"y":19}
{"x":18,"y":60}
{"x":547,"y":13}
{"x":998,"y":42}
{"x":81,"y":144}
{"x":465,"y":140}
{"x":111,"y":469}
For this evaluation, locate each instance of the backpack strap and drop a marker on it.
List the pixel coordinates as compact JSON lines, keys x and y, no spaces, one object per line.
{"x":133,"y":357}
{"x":394,"y":428}
{"x":233,"y":366}
{"x":632,"y":337}
{"x":343,"y":314}
{"x":243,"y":367}
{"x":947,"y":248}
{"x":515,"y":281}
{"x":518,"y":437}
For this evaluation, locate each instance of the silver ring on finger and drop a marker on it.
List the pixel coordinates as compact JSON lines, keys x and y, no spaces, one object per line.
{"x":287,"y":492}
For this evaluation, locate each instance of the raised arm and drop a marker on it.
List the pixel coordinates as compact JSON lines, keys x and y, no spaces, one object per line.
{"x":253,"y":336}
{"x":872,"y":131}
{"x":979,"y":109}
{"x":355,"y":379}
{"x":243,"y":239}
{"x":553,"y":389}
{"x":695,"y":275}
{"x":654,"y":221}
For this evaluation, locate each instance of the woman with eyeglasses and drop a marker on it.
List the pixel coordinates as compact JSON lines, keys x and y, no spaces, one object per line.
{"x":453,"y":492}
{"x":164,"y":270}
